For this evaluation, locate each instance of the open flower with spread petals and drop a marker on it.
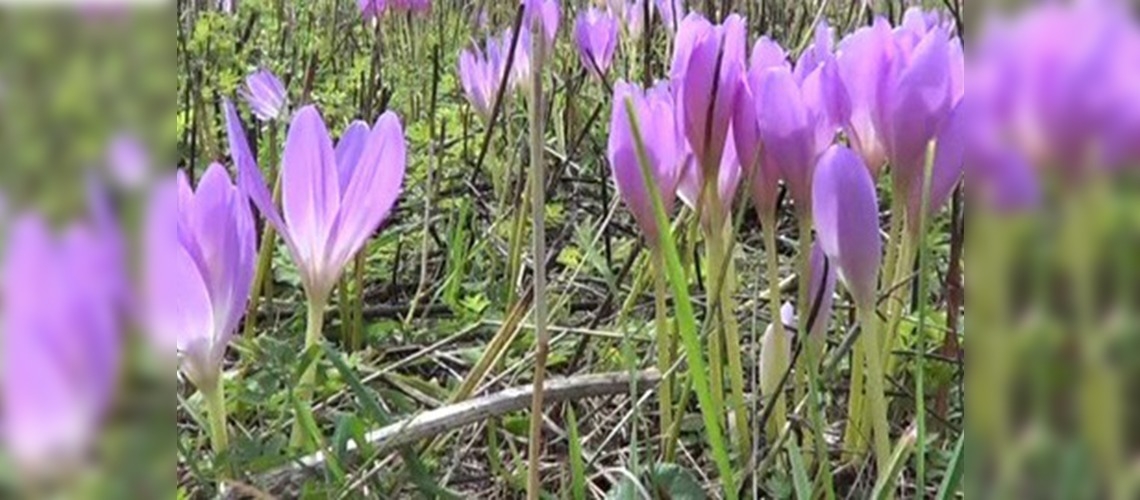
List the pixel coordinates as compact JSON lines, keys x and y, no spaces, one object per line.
{"x":265,"y":95}
{"x":655,"y":115}
{"x":61,"y":304}
{"x":332,"y":199}
{"x":547,"y":14}
{"x":595,"y":33}
{"x":481,"y":73}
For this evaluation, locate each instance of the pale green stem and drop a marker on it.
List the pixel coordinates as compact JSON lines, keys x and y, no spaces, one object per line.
{"x":664,"y":349}
{"x":855,"y":435}
{"x":213,"y":392}
{"x":875,"y":387}
{"x":779,"y":413}
{"x":313,"y":337}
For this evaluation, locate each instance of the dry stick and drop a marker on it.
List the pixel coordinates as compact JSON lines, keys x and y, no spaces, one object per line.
{"x":454,"y":416}
{"x":538,"y":210}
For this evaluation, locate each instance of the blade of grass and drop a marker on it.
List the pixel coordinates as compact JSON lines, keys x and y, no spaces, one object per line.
{"x":799,"y":472}
{"x":686,"y":319}
{"x":884,"y":487}
{"x":953,"y":475}
{"x":577,"y":463}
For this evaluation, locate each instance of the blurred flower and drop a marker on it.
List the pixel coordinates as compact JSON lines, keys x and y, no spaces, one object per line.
{"x":265,"y":95}
{"x":481,"y":74}
{"x":227,"y":6}
{"x":128,"y":162}
{"x":199,"y":264}
{"x":655,"y":116}
{"x":764,"y":175}
{"x":774,"y":355}
{"x":707,"y":63}
{"x":62,"y":299}
{"x":846,"y":212}
{"x":332,"y":199}
{"x":596,"y":32}
{"x":1036,"y":84}
{"x":728,"y":179}
{"x":822,"y":286}
{"x":546,"y":14}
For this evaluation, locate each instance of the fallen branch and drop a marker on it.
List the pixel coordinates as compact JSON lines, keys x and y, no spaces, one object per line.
{"x":451,"y":417}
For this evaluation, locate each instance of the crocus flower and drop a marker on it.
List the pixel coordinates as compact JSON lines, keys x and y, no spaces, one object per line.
{"x":916,"y":98}
{"x":265,"y":95}
{"x":654,"y":110}
{"x":764,"y":175}
{"x":822,"y":287}
{"x":863,"y":60}
{"x":332,"y":199}
{"x":794,"y":128}
{"x":481,"y":74}
{"x":60,"y":320}
{"x":707,"y":63}
{"x":728,"y":179}
{"x":846,"y":214}
{"x":370,"y":9}
{"x":199,"y":266}
{"x":595,"y":32}
{"x":774,"y":354}
{"x":128,"y":162}
{"x":547,"y":14}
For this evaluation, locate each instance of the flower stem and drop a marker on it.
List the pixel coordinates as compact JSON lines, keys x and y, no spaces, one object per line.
{"x":313,"y":337}
{"x":779,"y":413}
{"x":214,"y":394}
{"x":665,"y":347}
{"x":875,"y":390}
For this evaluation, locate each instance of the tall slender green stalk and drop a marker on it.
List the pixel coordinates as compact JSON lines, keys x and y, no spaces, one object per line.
{"x":920,"y":350}
{"x":538,"y":210}
{"x":665,"y":346}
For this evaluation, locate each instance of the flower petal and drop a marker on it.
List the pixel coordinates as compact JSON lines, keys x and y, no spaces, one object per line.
{"x":845,"y":209}
{"x":310,"y":189}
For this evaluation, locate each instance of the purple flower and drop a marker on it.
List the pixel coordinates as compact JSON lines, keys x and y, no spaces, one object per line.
{"x":128,"y":162}
{"x":708,"y":62}
{"x":62,"y":297}
{"x":663,"y":145}
{"x":863,"y":61}
{"x":370,"y":9}
{"x":199,"y":265}
{"x":846,"y":212}
{"x":332,"y":199}
{"x":546,"y":14}
{"x":916,"y":97}
{"x":764,"y":175}
{"x":728,"y":179}
{"x":794,"y":128}
{"x":481,"y":74}
{"x":595,"y":32}
{"x":265,"y":95}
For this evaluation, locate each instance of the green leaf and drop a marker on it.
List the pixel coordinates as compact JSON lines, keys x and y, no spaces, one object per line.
{"x":686,"y":319}
{"x":799,"y":472}
{"x":674,"y":482}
